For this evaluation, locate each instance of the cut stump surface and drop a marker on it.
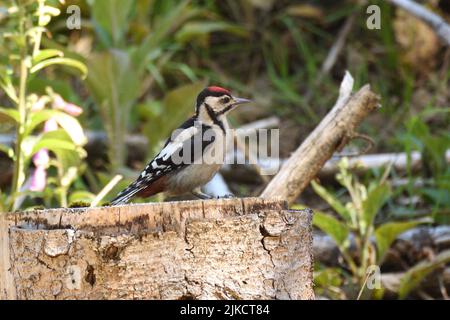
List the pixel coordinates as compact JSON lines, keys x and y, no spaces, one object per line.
{"x":216,"y":249}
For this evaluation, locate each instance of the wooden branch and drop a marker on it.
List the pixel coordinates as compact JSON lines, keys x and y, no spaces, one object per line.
{"x":409,"y":246}
{"x":438,"y":24}
{"x":337,"y":128}
{"x":399,"y":161}
{"x":359,"y":165}
{"x":217,"y":249}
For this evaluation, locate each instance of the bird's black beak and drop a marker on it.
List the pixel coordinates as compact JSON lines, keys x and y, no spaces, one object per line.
{"x":238,"y":101}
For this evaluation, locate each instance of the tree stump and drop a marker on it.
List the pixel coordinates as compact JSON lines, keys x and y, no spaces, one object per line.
{"x":216,"y":249}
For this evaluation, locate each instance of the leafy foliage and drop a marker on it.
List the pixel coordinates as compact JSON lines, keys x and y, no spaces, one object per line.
{"x":417,"y":273}
{"x":358,"y":217}
{"x":116,"y":74}
{"x":29,"y":112}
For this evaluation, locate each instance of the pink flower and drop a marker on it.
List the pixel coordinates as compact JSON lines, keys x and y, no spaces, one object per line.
{"x":70,"y":108}
{"x":50,"y":125}
{"x":38,"y":105}
{"x":41,"y":158}
{"x":73,"y":110}
{"x":38,"y":179}
{"x":58,"y":102}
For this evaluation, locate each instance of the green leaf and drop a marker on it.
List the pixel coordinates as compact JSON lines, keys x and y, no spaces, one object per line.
{"x":111,"y":19}
{"x":6,"y":84}
{"x":376,"y":198}
{"x":328,"y":277}
{"x":51,"y":11}
{"x":7,"y":150}
{"x":69,"y":123}
{"x":72,"y":127}
{"x":165,"y":25}
{"x":53,"y":144}
{"x":388,"y":232}
{"x":36,"y":119}
{"x":68,"y":154}
{"x":46,"y":54}
{"x":199,"y":30}
{"x":61,"y":61}
{"x":52,"y":140}
{"x":115,"y":85}
{"x":414,"y":276}
{"x":437,"y":195}
{"x":332,"y":227}
{"x":332,"y":201}
{"x":9,"y":115}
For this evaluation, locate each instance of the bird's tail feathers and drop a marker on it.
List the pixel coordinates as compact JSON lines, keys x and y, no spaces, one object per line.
{"x":126,"y":195}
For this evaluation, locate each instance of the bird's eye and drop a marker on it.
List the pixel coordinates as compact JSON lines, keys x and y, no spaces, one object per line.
{"x":226,"y":100}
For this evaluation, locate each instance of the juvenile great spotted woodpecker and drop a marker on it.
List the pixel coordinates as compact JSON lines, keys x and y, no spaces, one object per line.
{"x":182,"y":166}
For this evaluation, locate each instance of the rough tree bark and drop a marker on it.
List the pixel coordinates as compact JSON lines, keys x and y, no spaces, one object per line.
{"x":217,"y":249}
{"x":333,"y":132}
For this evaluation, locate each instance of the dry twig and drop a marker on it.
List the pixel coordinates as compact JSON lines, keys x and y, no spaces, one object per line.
{"x":339,"y":125}
{"x":438,"y":24}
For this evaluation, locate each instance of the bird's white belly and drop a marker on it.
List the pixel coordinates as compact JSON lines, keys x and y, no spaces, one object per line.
{"x":191,"y":177}
{"x":198,"y":174}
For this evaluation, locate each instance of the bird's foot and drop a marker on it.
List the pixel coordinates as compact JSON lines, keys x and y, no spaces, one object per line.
{"x":226,"y":196}
{"x":201,"y":195}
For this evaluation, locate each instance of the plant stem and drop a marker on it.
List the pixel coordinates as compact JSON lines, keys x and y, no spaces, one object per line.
{"x":38,"y":36}
{"x":364,"y":251}
{"x":106,"y":190}
{"x":63,"y":198}
{"x":349,"y":260}
{"x":18,"y":177}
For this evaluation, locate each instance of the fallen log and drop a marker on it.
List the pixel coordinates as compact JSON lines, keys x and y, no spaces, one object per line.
{"x":334,"y":131}
{"x":216,"y":249}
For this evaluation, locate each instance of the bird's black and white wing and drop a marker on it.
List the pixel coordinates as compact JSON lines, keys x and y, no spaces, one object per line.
{"x":169,"y":159}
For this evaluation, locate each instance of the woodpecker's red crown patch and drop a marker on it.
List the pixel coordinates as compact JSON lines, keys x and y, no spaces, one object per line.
{"x":218,"y":89}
